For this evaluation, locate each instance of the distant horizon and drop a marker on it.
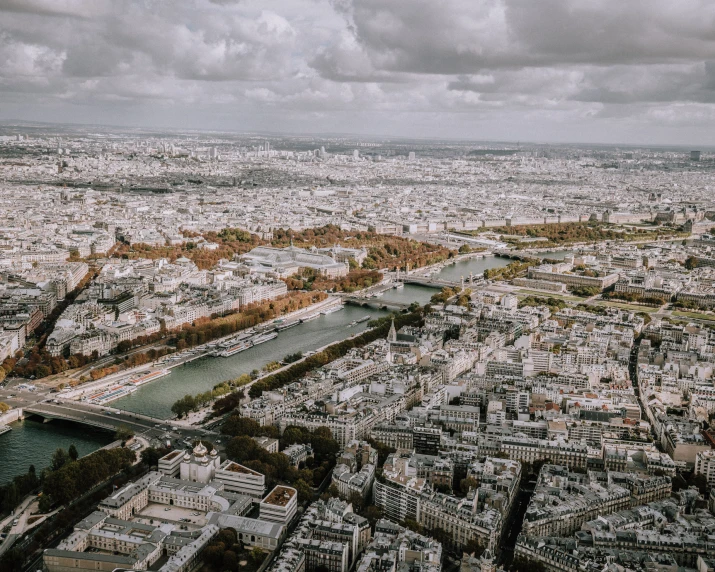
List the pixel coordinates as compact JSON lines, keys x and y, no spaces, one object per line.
{"x":555,"y":71}
{"x":422,"y":140}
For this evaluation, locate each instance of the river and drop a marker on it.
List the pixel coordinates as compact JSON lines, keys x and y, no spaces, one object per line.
{"x":32,"y":442}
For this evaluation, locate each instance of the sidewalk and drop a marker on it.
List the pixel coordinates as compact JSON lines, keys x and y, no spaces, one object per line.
{"x":21,"y":515}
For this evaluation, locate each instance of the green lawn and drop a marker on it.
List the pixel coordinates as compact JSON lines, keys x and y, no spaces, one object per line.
{"x":696,"y":315}
{"x":631,"y":307}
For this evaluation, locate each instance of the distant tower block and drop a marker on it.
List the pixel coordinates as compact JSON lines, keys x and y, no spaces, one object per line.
{"x":695,"y":155}
{"x":356,"y":155}
{"x":411,"y":156}
{"x":462,"y":282}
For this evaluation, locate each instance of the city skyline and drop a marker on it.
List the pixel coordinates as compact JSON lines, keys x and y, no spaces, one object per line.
{"x":486,"y":71}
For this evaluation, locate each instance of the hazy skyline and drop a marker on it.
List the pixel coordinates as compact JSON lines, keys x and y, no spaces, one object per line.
{"x":606,"y":71}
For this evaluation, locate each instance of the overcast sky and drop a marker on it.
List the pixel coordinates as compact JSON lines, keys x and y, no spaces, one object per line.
{"x":614,"y":71}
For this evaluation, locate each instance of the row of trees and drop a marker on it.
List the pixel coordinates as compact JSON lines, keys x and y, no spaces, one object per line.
{"x":511,"y":271}
{"x":75,"y":476}
{"x":584,"y":291}
{"x":206,"y":329}
{"x":189,"y":403}
{"x":66,"y":478}
{"x":230,"y":242}
{"x":331,"y":353}
{"x":650,"y":300}
{"x":446,"y":294}
{"x":356,"y":279}
{"x":40,"y":363}
{"x":560,"y":234}
{"x":384,"y":251}
{"x":553,"y":304}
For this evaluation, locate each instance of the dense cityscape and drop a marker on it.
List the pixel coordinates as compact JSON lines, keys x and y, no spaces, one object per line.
{"x":517,"y":376}
{"x":357,"y":286}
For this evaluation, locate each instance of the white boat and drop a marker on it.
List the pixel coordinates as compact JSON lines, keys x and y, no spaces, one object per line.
{"x":236,"y":348}
{"x":116,"y":392}
{"x":264,"y":338}
{"x":4,"y":429}
{"x":147,"y":377}
{"x":235,"y":340}
{"x":246,"y":344}
{"x":286,"y":325}
{"x":332,"y":309}
{"x":310,"y":318}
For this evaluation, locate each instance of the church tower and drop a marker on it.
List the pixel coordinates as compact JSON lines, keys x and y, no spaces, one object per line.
{"x":392,"y":335}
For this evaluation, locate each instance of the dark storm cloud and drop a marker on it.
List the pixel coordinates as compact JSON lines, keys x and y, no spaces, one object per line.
{"x":461,"y":66}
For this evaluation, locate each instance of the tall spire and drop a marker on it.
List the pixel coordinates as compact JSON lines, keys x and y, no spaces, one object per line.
{"x":392,"y":335}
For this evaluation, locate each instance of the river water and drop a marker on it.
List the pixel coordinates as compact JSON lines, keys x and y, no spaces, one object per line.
{"x":31,"y":442}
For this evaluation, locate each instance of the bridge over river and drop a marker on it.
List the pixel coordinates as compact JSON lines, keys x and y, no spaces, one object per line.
{"x":433,"y":282}
{"x":375,"y":303}
{"x":108,"y":418}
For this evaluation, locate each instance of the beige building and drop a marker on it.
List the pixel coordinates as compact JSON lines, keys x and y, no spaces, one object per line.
{"x":280,"y":506}
{"x":239,"y":479}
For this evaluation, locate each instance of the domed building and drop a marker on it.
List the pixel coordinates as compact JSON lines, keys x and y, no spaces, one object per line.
{"x":199,"y":466}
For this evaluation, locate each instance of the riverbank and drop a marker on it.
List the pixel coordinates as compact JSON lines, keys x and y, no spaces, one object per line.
{"x":177,"y":359}
{"x":155,"y":399}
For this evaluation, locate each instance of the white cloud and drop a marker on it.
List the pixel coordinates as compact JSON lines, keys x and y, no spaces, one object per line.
{"x":454,"y":67}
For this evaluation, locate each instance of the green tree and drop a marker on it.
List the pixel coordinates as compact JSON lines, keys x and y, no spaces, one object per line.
{"x":12,"y":561}
{"x":372,"y":514}
{"x":466,"y":484}
{"x":45,"y":504}
{"x":413,"y":525}
{"x":237,"y":425}
{"x":59,"y":459}
{"x":357,"y":501}
{"x":124,"y":433}
{"x":12,"y":497}
{"x":242,"y":449}
{"x":184,"y":405}
{"x":691,"y":262}
{"x":72,"y":452}
{"x":257,"y":555}
{"x":305,"y":493}
{"x":213,"y":554}
{"x":150,"y":456}
{"x":230,"y":560}
{"x":292,"y":435}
